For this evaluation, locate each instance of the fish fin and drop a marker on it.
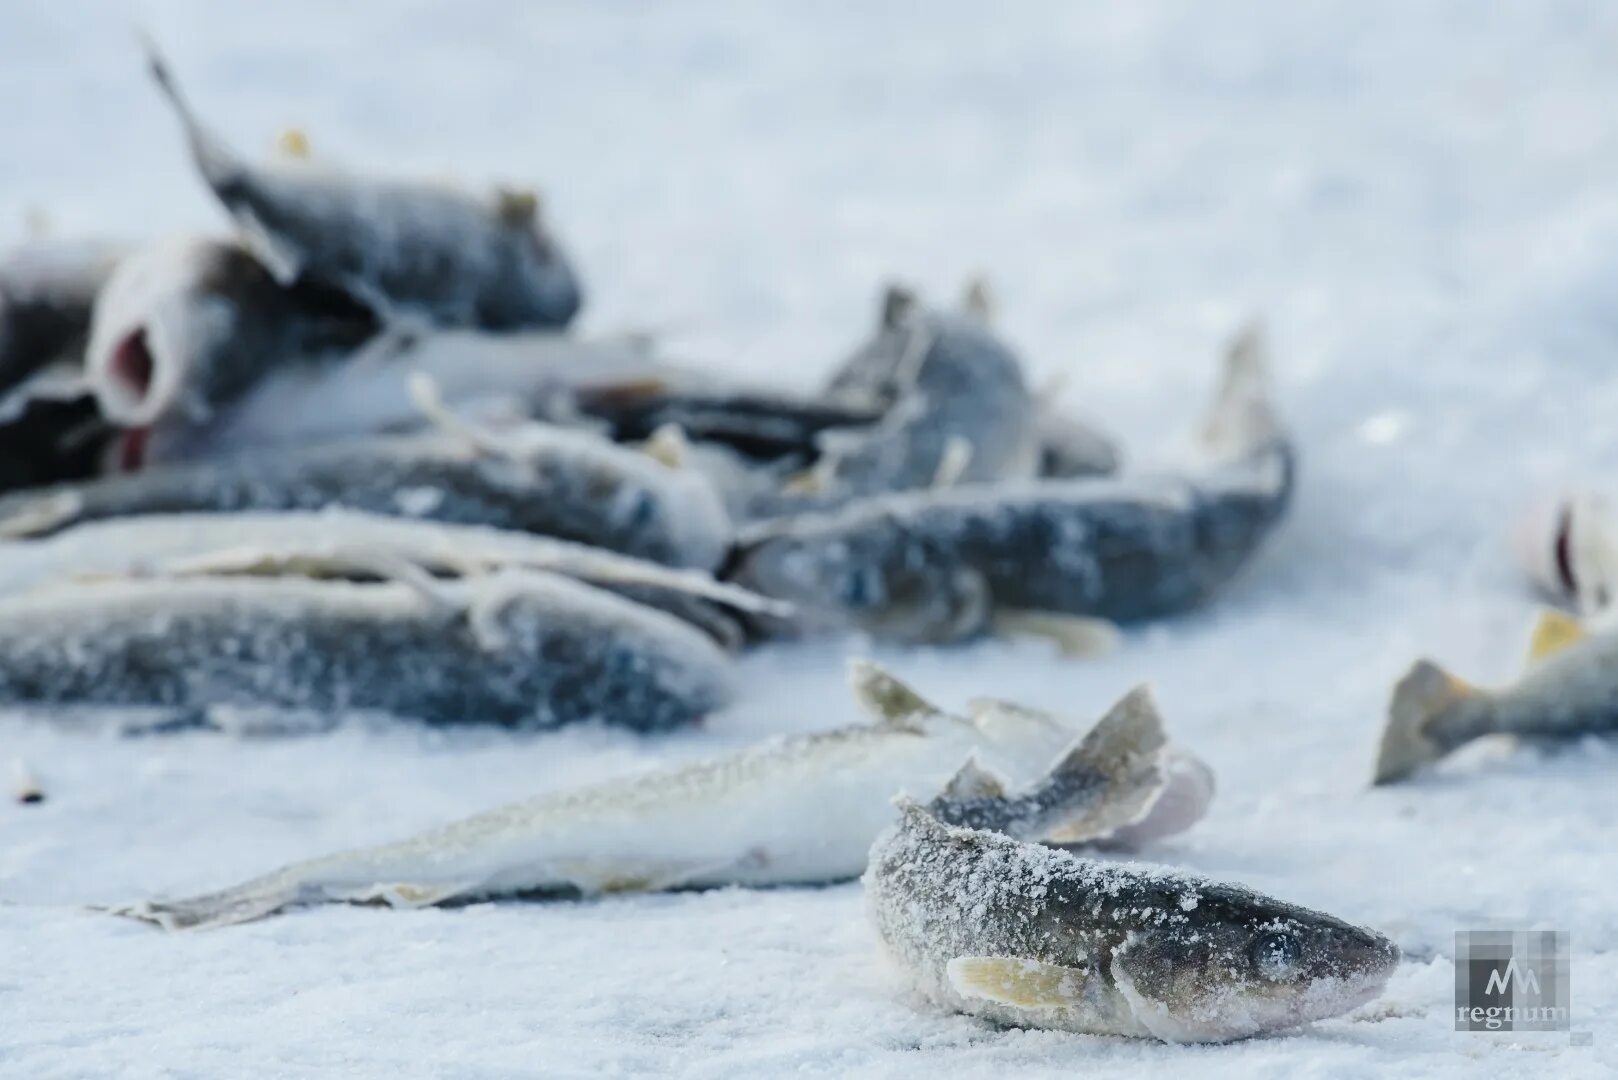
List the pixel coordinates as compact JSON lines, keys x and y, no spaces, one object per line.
{"x":265,"y":721}
{"x":973,"y":781}
{"x":1125,"y":748}
{"x":953,"y":462}
{"x":1076,"y":636}
{"x":1554,"y":632}
{"x":899,"y":303}
{"x":334,"y":562}
{"x":425,"y":397}
{"x":1426,"y":692}
{"x":517,"y":208}
{"x":40,"y":514}
{"x":668,"y":446}
{"x":1023,"y":984}
{"x":1242,"y":420}
{"x":815,"y":480}
{"x":293,"y":143}
{"x":977,"y":299}
{"x":403,"y":894}
{"x":247,"y":903}
{"x":885,"y":698}
{"x":217,"y":163}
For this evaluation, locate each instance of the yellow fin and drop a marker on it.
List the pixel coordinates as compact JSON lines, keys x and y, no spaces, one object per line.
{"x":293,"y":143}
{"x":1026,"y":984}
{"x":1553,"y":633}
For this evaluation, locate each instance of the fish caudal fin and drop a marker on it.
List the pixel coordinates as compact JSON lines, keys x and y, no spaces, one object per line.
{"x":1426,"y":692}
{"x":248,"y":903}
{"x":218,"y":165}
{"x":1125,"y":748}
{"x":1554,"y":632}
{"x":1242,"y":420}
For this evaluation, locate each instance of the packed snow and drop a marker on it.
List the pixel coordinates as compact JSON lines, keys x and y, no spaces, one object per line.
{"x":1419,"y":200}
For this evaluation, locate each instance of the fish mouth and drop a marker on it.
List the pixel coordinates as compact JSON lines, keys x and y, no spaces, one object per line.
{"x":132,"y":381}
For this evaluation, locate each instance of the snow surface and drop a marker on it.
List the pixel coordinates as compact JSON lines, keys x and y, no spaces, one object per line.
{"x":1418,"y":197}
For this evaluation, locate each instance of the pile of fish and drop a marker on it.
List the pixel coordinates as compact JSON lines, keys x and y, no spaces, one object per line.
{"x":347,"y":459}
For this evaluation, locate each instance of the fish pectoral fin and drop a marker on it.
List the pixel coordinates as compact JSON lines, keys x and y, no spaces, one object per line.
{"x":403,"y":894}
{"x":1024,"y":984}
{"x":1075,"y":636}
{"x":1554,"y":632}
{"x":953,"y":462}
{"x":265,"y":721}
{"x":668,"y":446}
{"x":600,"y":876}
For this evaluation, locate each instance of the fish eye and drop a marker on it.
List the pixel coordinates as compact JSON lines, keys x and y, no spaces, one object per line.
{"x":1275,"y":955}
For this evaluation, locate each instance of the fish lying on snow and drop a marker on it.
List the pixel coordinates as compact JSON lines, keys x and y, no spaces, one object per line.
{"x":47,"y":289}
{"x":523,"y":649}
{"x":183,"y":329}
{"x":1036,"y":937}
{"x":410,"y":250}
{"x":795,"y":810}
{"x":1570,"y":690}
{"x":949,"y":565}
{"x":534,"y":478}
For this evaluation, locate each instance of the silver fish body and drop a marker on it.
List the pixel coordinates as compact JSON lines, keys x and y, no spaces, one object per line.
{"x":796,"y":810}
{"x":522,"y":650}
{"x":550,"y":481}
{"x":935,"y":566}
{"x":1037,"y":937}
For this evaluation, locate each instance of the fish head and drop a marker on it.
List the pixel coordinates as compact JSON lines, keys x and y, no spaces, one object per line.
{"x":1228,"y":963}
{"x":1568,"y":546}
{"x":169,"y":334}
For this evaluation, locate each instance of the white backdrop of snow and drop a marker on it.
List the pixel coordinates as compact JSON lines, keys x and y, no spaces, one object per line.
{"x":1419,"y":198}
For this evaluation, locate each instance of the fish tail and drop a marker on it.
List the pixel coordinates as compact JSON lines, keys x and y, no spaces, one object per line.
{"x":1242,"y":420}
{"x":1408,"y":742}
{"x":213,"y":158}
{"x":245,"y":903}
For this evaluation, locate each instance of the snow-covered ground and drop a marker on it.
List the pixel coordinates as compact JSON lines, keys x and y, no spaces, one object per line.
{"x":1422,"y":199}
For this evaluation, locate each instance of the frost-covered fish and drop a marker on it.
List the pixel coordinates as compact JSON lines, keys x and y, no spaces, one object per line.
{"x":47,"y":289}
{"x":184,"y":328}
{"x":411,"y":250}
{"x":949,"y":389}
{"x":524,"y":649}
{"x":794,"y":810}
{"x":1569,"y":690}
{"x":1036,"y":937}
{"x":534,"y":478}
{"x":948,"y":565}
